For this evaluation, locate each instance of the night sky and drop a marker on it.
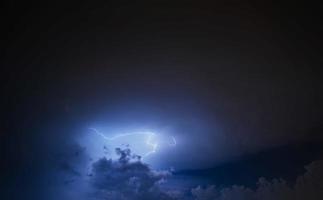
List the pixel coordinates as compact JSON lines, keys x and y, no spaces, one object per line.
{"x":239,"y":85}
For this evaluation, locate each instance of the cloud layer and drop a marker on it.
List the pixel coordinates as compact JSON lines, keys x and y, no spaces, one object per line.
{"x":128,"y":178}
{"x":308,"y":186}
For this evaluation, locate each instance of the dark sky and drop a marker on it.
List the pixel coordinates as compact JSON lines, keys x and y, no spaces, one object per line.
{"x":229,"y":79}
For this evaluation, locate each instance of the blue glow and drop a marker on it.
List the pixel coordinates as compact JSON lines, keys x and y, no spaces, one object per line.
{"x":143,"y":143}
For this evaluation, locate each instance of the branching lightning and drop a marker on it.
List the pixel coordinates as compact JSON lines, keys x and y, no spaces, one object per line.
{"x":148,"y":141}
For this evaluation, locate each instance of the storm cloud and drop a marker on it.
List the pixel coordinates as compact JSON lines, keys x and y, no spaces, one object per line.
{"x":127,"y":178}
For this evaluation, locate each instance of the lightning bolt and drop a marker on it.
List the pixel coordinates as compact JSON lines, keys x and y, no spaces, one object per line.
{"x":149,"y":139}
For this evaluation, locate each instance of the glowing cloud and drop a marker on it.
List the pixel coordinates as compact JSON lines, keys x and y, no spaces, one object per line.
{"x":151,"y":140}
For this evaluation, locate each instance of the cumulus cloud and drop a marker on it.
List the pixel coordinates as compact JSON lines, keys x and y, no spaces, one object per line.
{"x":127,"y":178}
{"x":308,"y":186}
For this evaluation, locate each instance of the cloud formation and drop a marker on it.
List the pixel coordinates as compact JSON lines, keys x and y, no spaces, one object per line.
{"x":308,"y":186}
{"x":127,"y":178}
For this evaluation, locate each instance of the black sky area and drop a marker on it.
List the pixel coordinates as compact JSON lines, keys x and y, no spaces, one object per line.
{"x":245,"y":77}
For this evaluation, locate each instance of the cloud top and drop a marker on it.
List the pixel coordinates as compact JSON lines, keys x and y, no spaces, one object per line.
{"x":127,"y":178}
{"x":308,"y":186}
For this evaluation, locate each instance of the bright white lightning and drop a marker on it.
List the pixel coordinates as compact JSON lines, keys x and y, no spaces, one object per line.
{"x":148,"y":141}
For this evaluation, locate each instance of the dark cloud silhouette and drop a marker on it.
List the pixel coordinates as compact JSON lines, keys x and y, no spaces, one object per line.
{"x":308,"y":186}
{"x":127,"y":178}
